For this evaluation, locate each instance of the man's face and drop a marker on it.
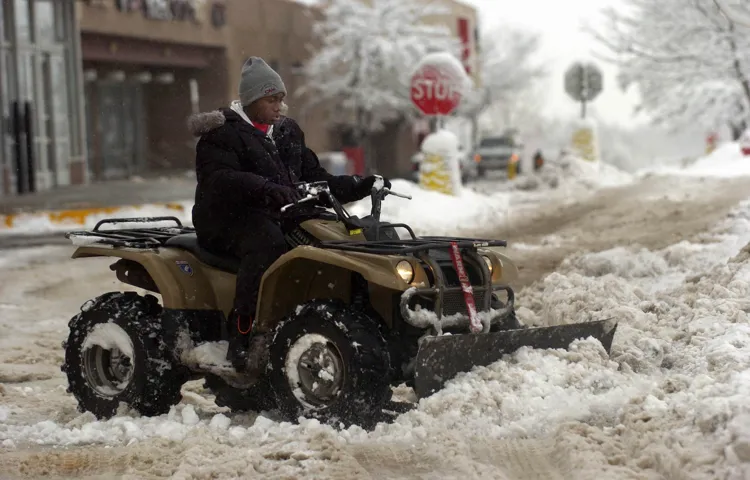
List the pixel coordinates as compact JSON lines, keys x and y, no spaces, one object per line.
{"x":266,"y":109}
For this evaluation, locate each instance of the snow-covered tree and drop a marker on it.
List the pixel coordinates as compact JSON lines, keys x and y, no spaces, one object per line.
{"x":737,"y":10}
{"x":688,"y":60}
{"x":511,"y":65}
{"x":368,"y":50}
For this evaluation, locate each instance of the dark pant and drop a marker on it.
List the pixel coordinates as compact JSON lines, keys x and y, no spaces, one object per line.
{"x":258,"y":245}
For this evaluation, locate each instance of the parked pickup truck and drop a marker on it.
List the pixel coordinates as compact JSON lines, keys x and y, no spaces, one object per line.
{"x":494,"y":153}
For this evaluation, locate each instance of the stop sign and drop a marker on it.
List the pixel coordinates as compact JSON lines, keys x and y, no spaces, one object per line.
{"x":436,"y":87}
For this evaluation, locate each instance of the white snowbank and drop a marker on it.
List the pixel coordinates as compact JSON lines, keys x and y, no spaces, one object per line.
{"x":435,"y":213}
{"x":47,"y":222}
{"x":683,"y":348}
{"x":572,"y":173}
{"x":726,"y":161}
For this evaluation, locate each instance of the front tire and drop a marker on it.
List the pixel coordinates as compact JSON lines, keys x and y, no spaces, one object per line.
{"x":330,"y":362}
{"x":116,"y":353}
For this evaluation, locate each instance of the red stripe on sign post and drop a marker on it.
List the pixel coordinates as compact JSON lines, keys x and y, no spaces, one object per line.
{"x":458,"y":263}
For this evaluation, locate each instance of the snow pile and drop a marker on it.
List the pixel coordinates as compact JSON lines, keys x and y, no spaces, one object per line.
{"x":51,"y":222}
{"x":571,"y":172}
{"x":682,"y":352}
{"x":434,"y":213}
{"x":726,"y":161}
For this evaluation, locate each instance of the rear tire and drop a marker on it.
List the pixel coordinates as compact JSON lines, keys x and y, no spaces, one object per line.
{"x":330,"y":362}
{"x":116,"y":353}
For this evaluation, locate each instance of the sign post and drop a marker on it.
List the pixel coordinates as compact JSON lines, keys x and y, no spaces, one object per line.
{"x":437,"y":86}
{"x":583,"y":82}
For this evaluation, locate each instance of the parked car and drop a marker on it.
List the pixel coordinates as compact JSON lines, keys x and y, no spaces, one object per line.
{"x":496,"y":152}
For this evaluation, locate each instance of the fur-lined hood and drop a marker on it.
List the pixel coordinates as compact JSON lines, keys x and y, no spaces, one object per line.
{"x":201,"y":123}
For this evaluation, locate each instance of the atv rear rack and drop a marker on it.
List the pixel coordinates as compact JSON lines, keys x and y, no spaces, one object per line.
{"x":133,"y":237}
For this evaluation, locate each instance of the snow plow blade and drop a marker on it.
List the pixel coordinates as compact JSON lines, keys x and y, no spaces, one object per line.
{"x":441,"y":358}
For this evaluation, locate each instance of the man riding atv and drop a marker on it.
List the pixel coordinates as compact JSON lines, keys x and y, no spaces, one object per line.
{"x":248,"y":159}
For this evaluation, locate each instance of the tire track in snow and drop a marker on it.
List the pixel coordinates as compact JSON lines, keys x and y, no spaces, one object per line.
{"x":478,"y":458}
{"x":654,"y":213}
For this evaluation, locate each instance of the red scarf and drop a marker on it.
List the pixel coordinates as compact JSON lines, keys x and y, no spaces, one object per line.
{"x":263,"y":127}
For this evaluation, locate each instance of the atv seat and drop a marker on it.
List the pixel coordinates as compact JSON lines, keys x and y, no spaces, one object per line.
{"x":189,"y":242}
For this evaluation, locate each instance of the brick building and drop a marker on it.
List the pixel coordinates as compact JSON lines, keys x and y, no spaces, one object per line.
{"x":108,"y":84}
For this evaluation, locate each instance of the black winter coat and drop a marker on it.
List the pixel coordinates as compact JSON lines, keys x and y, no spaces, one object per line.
{"x":233,"y":162}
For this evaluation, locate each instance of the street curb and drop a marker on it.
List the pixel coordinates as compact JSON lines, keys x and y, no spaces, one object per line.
{"x":75,"y":216}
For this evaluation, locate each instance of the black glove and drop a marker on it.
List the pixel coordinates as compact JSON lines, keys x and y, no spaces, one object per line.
{"x":364,"y":186}
{"x":278,"y":195}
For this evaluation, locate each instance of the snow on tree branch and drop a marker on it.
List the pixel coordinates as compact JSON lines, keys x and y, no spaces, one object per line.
{"x":687,"y":58}
{"x":737,"y":10}
{"x":368,"y":50}
{"x":510,"y":78}
{"x":508,"y":68}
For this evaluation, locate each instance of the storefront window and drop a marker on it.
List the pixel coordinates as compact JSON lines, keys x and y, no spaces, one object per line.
{"x":61,"y":118}
{"x":23,"y":21}
{"x":6,"y":139}
{"x":3,"y":36}
{"x":5,"y":20}
{"x":44,"y":19}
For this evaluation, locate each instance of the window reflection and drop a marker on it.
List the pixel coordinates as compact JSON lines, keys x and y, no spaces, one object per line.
{"x":23,"y":24}
{"x":45,"y":21}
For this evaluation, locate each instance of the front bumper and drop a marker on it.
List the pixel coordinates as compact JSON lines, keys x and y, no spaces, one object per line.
{"x":494,"y":163}
{"x":439,"y":292}
{"x":434,"y":319}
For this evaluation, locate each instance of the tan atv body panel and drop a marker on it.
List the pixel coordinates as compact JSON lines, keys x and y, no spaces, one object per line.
{"x":302,"y":274}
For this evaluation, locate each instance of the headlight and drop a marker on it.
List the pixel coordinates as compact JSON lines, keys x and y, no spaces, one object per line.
{"x":488,"y":262}
{"x":405,"y":271}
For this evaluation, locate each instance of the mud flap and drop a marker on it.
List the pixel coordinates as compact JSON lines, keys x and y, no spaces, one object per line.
{"x":440,"y":358}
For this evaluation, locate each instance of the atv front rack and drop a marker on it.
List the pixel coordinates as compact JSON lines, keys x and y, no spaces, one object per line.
{"x":409,"y":246}
{"x":440,"y":291}
{"x":133,"y":237}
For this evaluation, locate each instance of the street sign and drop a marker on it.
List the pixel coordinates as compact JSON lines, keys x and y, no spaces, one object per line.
{"x":436,"y":88}
{"x":583,"y":82}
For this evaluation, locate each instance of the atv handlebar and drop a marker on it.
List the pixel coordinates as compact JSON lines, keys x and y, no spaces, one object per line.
{"x":302,"y":200}
{"x":314,"y":190}
{"x":400,"y":195}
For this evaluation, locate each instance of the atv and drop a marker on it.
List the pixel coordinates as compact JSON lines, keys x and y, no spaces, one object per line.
{"x":356,"y":306}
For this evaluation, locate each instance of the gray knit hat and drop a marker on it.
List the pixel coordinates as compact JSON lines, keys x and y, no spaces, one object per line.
{"x":258,"y":80}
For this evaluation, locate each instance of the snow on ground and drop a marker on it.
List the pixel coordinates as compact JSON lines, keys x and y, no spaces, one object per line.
{"x":679,"y":361}
{"x":438,"y":213}
{"x":670,"y":401}
{"x":570,"y":171}
{"x":726,"y":161}
{"x":42,"y":222}
{"x":495,"y":200}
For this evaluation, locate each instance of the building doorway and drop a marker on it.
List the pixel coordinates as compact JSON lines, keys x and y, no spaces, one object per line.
{"x":116,"y":120}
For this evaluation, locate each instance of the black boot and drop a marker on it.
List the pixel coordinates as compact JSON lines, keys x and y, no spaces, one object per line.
{"x":240,"y":333}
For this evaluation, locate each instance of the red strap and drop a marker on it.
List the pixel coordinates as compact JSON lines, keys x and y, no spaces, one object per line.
{"x":458,"y":263}
{"x":239,"y":325}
